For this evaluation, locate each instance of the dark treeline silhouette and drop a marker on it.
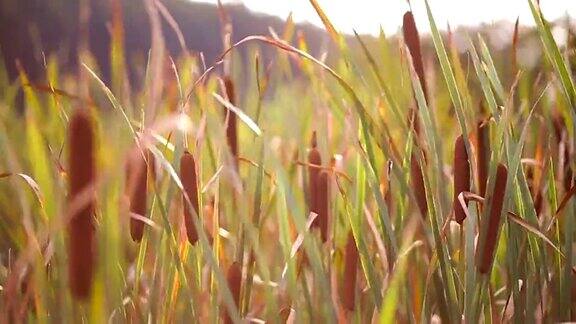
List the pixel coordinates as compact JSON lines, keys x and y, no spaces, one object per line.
{"x":29,"y":28}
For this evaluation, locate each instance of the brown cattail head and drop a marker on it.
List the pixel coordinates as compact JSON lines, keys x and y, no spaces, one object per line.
{"x":231,"y":126}
{"x":81,"y":230}
{"x":483,"y":155}
{"x":315,"y":158}
{"x":461,"y":177}
{"x":350,"y":273}
{"x":490,"y":240}
{"x":234,"y":279}
{"x":412,"y":40}
{"x":323,"y":190}
{"x":190,"y":183}
{"x":137,"y":189}
{"x":417,"y":181}
{"x":568,"y":178}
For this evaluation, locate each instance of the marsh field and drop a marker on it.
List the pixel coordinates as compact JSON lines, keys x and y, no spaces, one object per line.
{"x":289,"y":175}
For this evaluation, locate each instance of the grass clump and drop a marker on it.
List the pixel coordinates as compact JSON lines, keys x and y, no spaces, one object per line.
{"x":246,"y":218}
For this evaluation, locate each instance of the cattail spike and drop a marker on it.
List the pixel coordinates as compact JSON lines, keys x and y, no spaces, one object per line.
{"x":412,"y":40}
{"x":190,"y":183}
{"x":81,"y":228}
{"x":490,"y":241}
{"x":323,"y":189}
{"x":234,"y":279}
{"x":231,"y":126}
{"x":137,"y":188}
{"x":483,"y":155}
{"x":417,"y":181}
{"x":350,"y":273}
{"x":461,"y":177}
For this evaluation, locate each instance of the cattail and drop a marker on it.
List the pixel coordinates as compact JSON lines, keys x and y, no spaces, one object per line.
{"x":495,"y":215}
{"x":461,"y":177}
{"x":412,"y":40}
{"x":350,"y":271}
{"x":231,"y":126}
{"x":137,"y":173}
{"x":81,"y":230}
{"x":417,"y":181}
{"x":483,"y":151}
{"x":323,"y":190}
{"x":234,"y":279}
{"x":314,"y":158}
{"x":190,"y":182}
{"x":568,"y":178}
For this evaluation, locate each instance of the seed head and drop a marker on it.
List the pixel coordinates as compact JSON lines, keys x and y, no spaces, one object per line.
{"x":417,"y":181}
{"x":190,"y":183}
{"x":494,"y":223}
{"x":234,"y":279}
{"x":350,"y":273}
{"x":461,"y":177}
{"x":81,"y":179}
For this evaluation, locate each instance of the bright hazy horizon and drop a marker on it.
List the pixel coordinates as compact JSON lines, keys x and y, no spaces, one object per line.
{"x":366,"y":16}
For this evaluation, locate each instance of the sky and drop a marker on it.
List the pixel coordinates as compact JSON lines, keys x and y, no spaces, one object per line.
{"x":366,"y":16}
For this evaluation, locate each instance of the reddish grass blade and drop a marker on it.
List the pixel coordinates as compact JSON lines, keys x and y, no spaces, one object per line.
{"x":232,"y":124}
{"x":412,"y":40}
{"x":234,"y":279}
{"x":565,"y":173}
{"x":189,"y":180}
{"x":538,"y":172}
{"x":494,"y":223}
{"x":323,"y":190}
{"x":417,"y":182}
{"x":350,"y":274}
{"x":482,"y":155}
{"x":569,"y":193}
{"x":81,"y":230}
{"x":137,"y":188}
{"x":461,"y":177}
